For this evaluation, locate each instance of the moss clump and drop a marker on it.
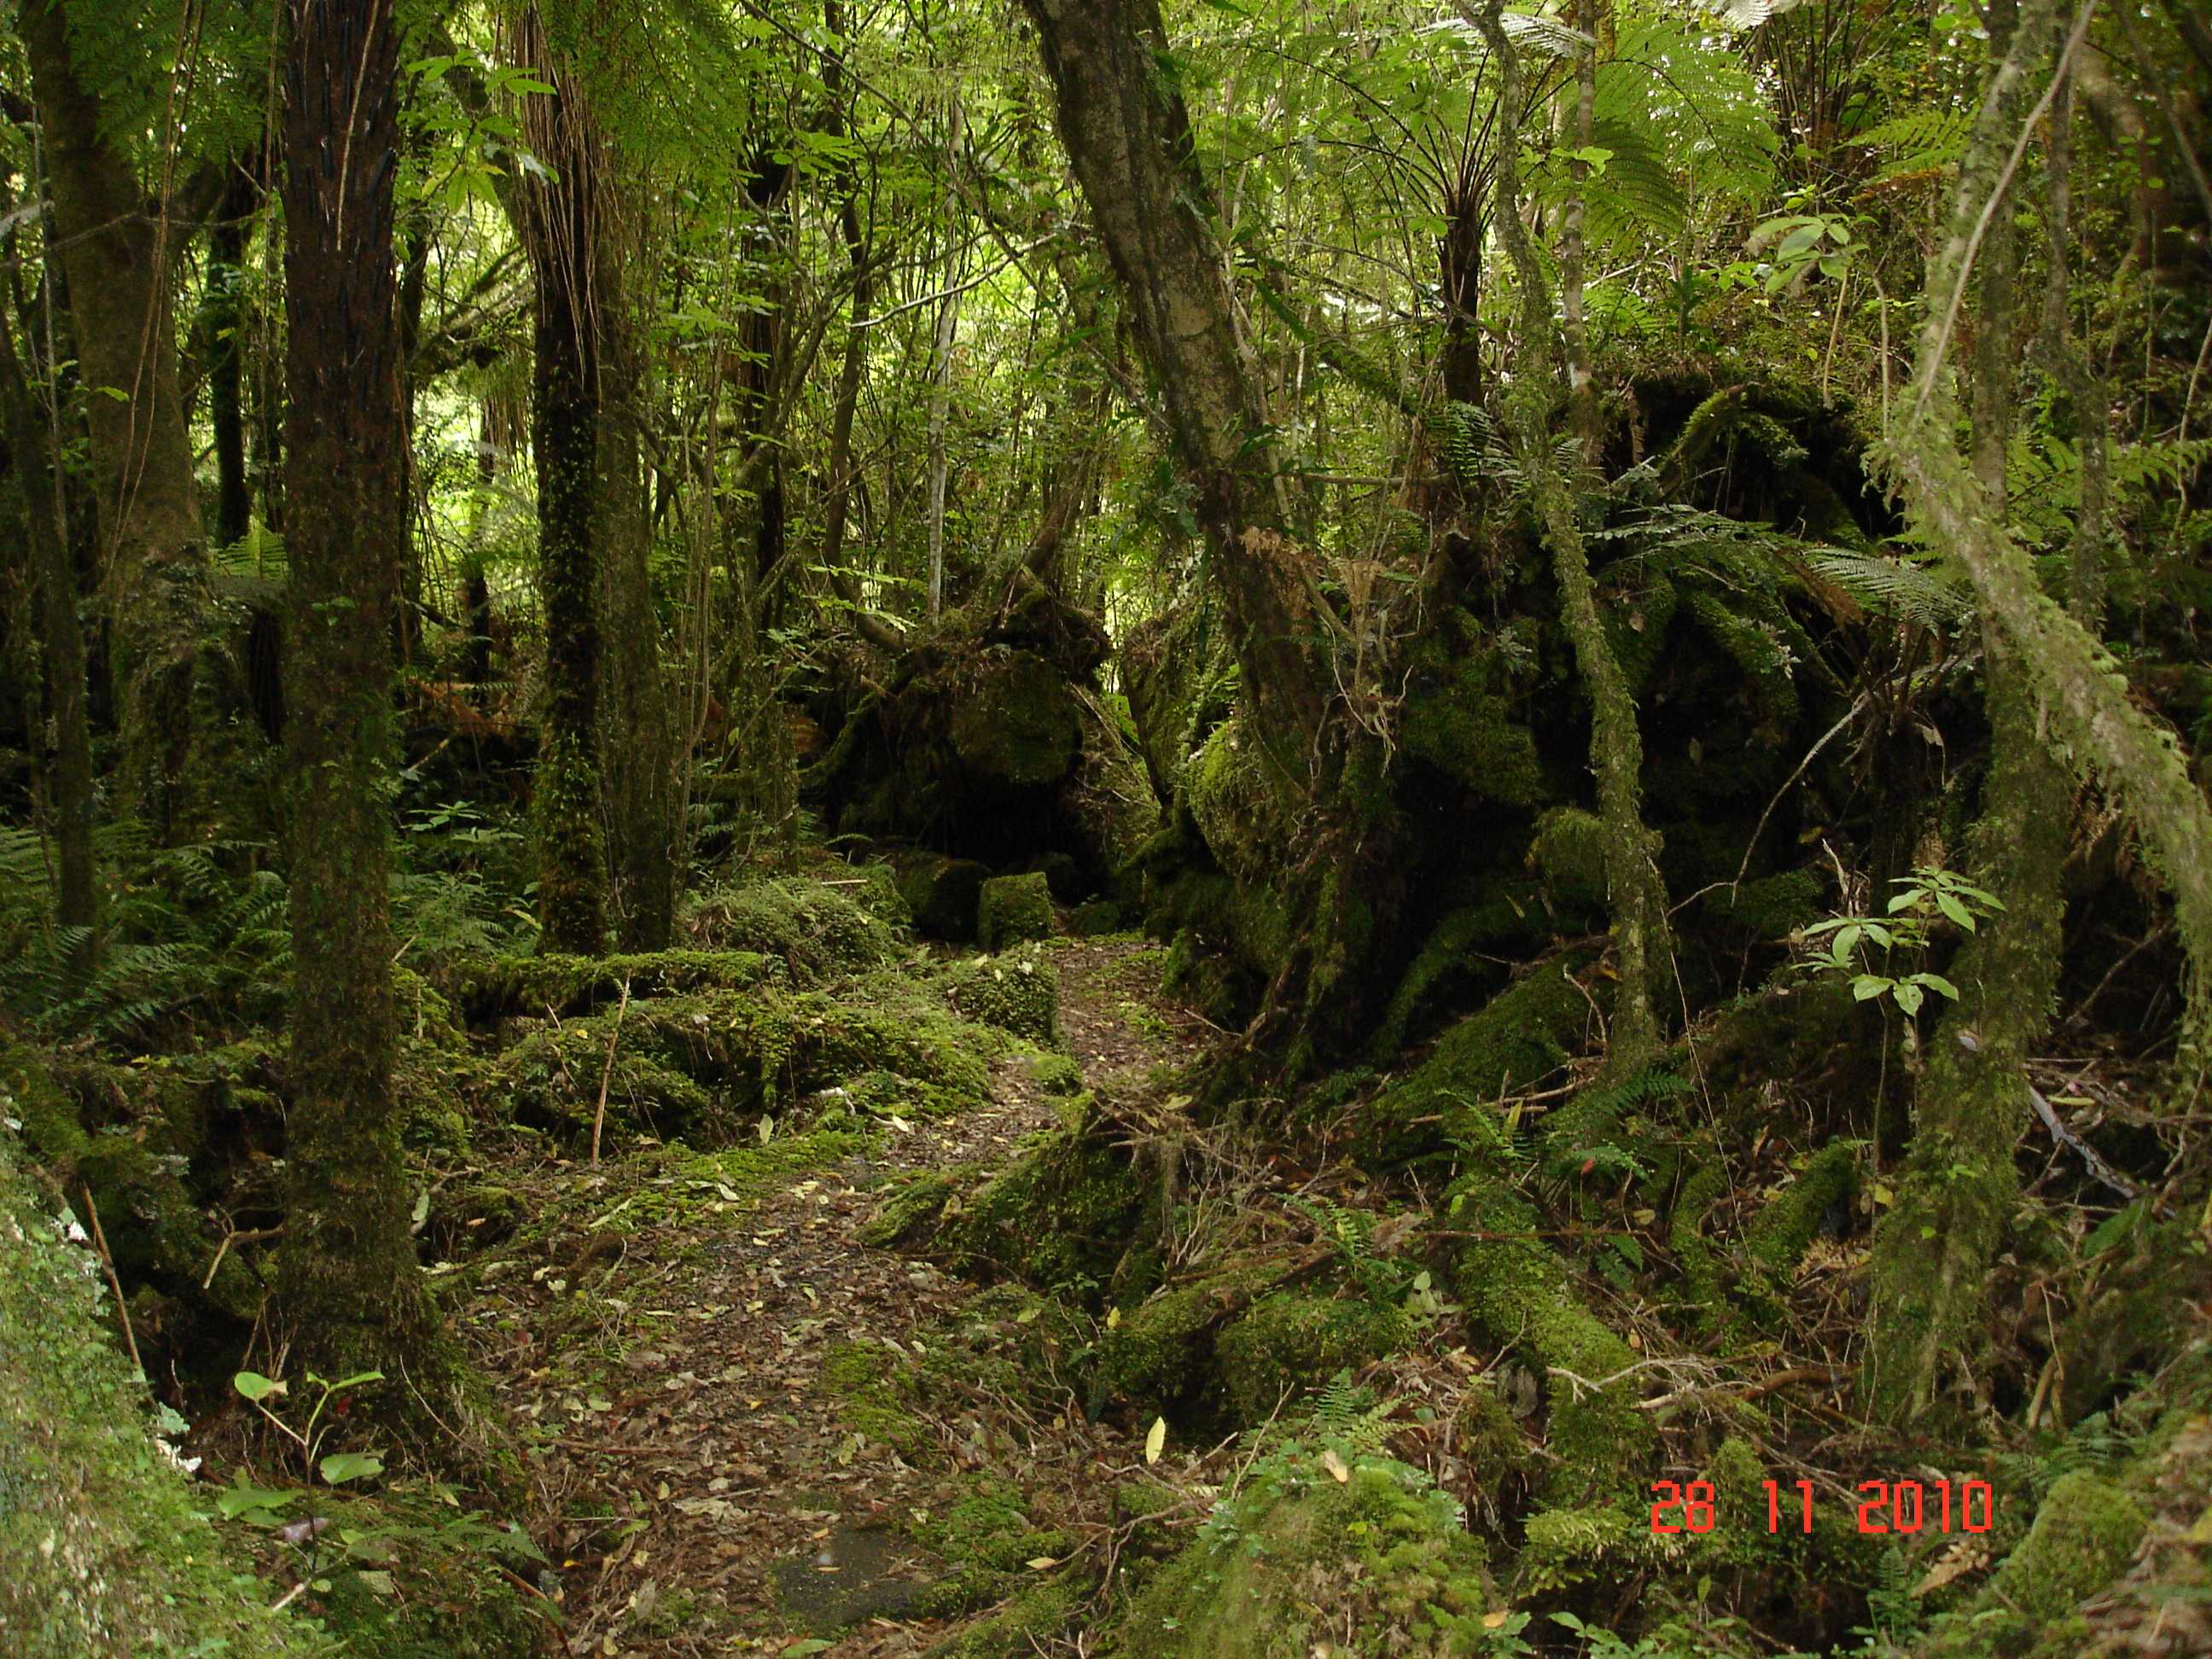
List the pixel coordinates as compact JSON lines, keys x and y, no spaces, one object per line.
{"x":2084,"y":1533}
{"x":1056,"y":1075}
{"x":1095,"y":917}
{"x":910,"y":1210}
{"x":1686,"y":1238}
{"x":1155,"y":1353}
{"x":1518,"y":1037}
{"x":1289,"y":1342}
{"x":1777,"y":1237}
{"x":105,"y":1550}
{"x":704,"y":1068}
{"x":1025,"y":1626}
{"x":1018,"y":992}
{"x":1458,"y":719}
{"x":1011,"y":909}
{"x":1060,"y":1218}
{"x":874,"y":1388}
{"x":487,"y":988}
{"x":1520,"y":1291}
{"x":1771,"y":907}
{"x":941,"y":893}
{"x":1236,"y":803}
{"x":1017,"y":721}
{"x":1569,"y":852}
{"x":1297,"y":1557}
{"x":986,"y":1539}
{"x":814,"y":929}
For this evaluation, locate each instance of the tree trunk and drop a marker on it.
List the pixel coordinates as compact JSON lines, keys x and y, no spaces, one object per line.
{"x":559,"y":221}
{"x":1126,"y":131}
{"x":112,"y":255}
{"x":1635,"y":891}
{"x":349,"y":1288}
{"x":61,"y":634}
{"x":2075,"y":680}
{"x":223,"y":325}
{"x":641,"y":761}
{"x":1956,"y":1193}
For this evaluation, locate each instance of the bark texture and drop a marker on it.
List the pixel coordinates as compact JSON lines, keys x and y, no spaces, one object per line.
{"x":1127,"y":130}
{"x":349,"y":1286}
{"x":113,"y":254}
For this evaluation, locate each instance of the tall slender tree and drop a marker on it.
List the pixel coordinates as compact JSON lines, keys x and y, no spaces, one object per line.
{"x":115,"y":256}
{"x":349,"y":1282}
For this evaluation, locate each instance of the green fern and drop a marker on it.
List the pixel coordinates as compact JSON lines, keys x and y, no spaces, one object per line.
{"x":1893,"y":586}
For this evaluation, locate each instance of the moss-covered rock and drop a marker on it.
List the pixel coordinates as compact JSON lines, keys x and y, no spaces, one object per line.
{"x":1289,"y":1342}
{"x":105,"y":1552}
{"x":1240,"y":805}
{"x":1787,"y":1224}
{"x":1017,"y":992}
{"x":1016,"y":721}
{"x":814,"y":929}
{"x":1298,"y":1558}
{"x":986,"y":1539}
{"x":2088,"y":1527}
{"x":1518,"y":1291}
{"x":1094,"y":917}
{"x":1011,"y":909}
{"x":1060,"y":1217}
{"x":1568,"y":851}
{"x":941,"y":893}
{"x":1521,"y":1035}
{"x":486,"y":988}
{"x":910,"y":1209}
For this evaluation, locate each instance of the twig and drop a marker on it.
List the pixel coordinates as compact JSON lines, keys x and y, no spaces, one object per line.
{"x":607,"y":1072}
{"x":2098,"y":1170}
{"x":235,"y":1237}
{"x":122,"y":1312}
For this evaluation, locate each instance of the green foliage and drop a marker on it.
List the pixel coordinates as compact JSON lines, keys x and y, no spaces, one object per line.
{"x":1929,"y":895}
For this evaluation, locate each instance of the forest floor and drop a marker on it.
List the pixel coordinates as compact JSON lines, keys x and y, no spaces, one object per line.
{"x":715,"y":1428}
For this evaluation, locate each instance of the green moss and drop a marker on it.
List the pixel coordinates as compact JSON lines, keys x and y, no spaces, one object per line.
{"x":1056,"y":1073}
{"x":1519,"y":1291}
{"x":1459,"y":720}
{"x":986,"y":1541}
{"x":1015,"y":720}
{"x":1029,"y":1623}
{"x":1095,"y":917}
{"x":29,"y":1094}
{"x":1700,"y":1297}
{"x":1018,"y":992}
{"x":813,"y":929}
{"x":1771,"y":907}
{"x":106,"y":1551}
{"x":451,"y":1600}
{"x":1569,"y":851}
{"x":1155,"y":1352}
{"x":1297,"y":1558}
{"x":1011,"y":909}
{"x":1238,"y":804}
{"x":2084,"y":1533}
{"x":1777,"y":1237}
{"x":1062,"y":1216}
{"x":1519,"y":1037}
{"x":1289,"y":1342}
{"x":910,"y":1210}
{"x":485,"y":989}
{"x":941,"y":893}
{"x":873,"y":1389}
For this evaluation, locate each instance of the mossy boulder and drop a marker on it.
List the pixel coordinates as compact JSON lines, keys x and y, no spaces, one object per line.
{"x":482,"y":989}
{"x":941,"y":893}
{"x":1290,"y":1342}
{"x":1298,"y":1557}
{"x":104,"y":1551}
{"x":1016,"y":721}
{"x":1522,"y":1035}
{"x":1240,"y":805}
{"x":1094,"y":917}
{"x":1060,"y":1217}
{"x":814,"y":928}
{"x":1011,"y":909}
{"x":1017,"y":992}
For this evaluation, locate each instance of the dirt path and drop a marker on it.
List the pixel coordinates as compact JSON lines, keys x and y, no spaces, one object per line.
{"x":730,"y":1468}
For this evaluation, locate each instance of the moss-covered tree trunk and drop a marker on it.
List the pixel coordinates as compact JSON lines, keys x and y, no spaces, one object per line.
{"x":2082,"y":694}
{"x":61,"y":639}
{"x":640,"y":753}
{"x":559,"y":219}
{"x":113,"y":254}
{"x":1959,"y":1186}
{"x":1127,"y":130}
{"x":222,"y":348}
{"x":349,"y":1286}
{"x":1635,"y":894}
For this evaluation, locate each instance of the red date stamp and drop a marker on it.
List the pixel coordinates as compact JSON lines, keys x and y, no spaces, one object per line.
{"x":1886,"y":1506}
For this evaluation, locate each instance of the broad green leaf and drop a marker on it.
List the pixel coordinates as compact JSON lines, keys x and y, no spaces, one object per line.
{"x":256,"y":1387}
{"x":341,"y":1467}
